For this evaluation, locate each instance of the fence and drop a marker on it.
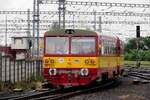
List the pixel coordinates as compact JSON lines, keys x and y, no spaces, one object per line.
{"x":19,"y":70}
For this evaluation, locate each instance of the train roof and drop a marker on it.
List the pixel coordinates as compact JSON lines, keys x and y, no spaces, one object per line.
{"x":106,"y":37}
{"x":74,"y":32}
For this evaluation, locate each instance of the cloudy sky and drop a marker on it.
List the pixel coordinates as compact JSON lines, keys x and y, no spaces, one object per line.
{"x":15,"y":4}
{"x":25,"y":4}
{"x":126,"y":30}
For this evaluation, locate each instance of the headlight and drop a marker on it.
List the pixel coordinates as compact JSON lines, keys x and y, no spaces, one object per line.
{"x":93,"y":62}
{"x":84,"y":72}
{"x":52,"y":61}
{"x":86,"y":61}
{"x":52,"y":71}
{"x":49,"y":61}
{"x":46,"y":61}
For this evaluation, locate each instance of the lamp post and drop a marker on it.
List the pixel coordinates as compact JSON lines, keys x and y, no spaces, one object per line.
{"x":137,"y":45}
{"x":6,"y":31}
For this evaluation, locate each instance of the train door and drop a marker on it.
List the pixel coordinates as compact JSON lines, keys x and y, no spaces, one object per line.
{"x":118,"y":47}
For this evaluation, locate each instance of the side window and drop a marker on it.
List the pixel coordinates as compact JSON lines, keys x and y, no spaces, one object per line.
{"x":122,"y":48}
{"x":113,"y":48}
{"x":108,"y":47}
{"x":109,"y":44}
{"x":102,"y":47}
{"x":108,"y":51}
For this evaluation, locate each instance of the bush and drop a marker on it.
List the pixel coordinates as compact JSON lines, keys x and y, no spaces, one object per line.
{"x":130,"y":57}
{"x":147,"y":56}
{"x":127,"y":56}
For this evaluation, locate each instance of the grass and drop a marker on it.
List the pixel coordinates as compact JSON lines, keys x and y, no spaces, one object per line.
{"x":5,"y":86}
{"x":143,"y":64}
{"x":134,"y":63}
{"x":24,"y":85}
{"x":27,"y":85}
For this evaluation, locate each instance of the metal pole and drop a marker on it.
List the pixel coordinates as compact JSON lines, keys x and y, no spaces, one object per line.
{"x":36,"y":25}
{"x":94,"y":20}
{"x":33,"y":38}
{"x":100,"y":24}
{"x":73,"y":21}
{"x":38,"y":2}
{"x":28,"y":31}
{"x":6,"y":50}
{"x":64,"y":10}
{"x":137,"y":44}
{"x":59,"y":8}
{"x":6,"y":32}
{"x":137,"y":55}
{"x":28,"y":16}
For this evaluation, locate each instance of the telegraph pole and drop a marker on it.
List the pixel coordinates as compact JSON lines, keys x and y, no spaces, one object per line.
{"x":28,"y":21}
{"x":36,"y":19}
{"x":64,"y":8}
{"x":100,"y":24}
{"x":33,"y":33}
{"x":62,"y":11}
{"x":137,"y":45}
{"x":6,"y":31}
{"x":59,"y":10}
{"x":94,"y":20}
{"x":73,"y":21}
{"x":28,"y":32}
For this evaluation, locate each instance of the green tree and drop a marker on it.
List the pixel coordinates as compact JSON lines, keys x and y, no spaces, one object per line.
{"x":131,"y":52}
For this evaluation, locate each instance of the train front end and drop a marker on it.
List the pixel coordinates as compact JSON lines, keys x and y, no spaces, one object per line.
{"x":70,"y":60}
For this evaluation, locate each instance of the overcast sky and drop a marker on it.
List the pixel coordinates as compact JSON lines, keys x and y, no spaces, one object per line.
{"x":25,"y":4}
{"x":15,"y":4}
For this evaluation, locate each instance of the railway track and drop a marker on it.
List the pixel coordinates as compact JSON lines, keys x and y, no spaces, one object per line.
{"x":78,"y":91}
{"x":140,"y":75}
{"x":27,"y":96}
{"x":59,"y":93}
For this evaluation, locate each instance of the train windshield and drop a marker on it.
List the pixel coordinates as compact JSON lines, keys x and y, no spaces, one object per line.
{"x":57,"y":45}
{"x":83,"y":45}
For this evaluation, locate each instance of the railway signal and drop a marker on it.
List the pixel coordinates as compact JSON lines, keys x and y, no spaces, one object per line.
{"x":137,"y":31}
{"x":137,"y":43}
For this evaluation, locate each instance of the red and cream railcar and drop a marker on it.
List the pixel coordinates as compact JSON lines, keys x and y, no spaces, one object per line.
{"x":79,"y":57}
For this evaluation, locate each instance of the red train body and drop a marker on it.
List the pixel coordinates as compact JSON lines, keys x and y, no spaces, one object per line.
{"x":87,"y":57}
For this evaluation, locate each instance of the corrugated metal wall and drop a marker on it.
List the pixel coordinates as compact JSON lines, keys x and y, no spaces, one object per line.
{"x":19,"y":70}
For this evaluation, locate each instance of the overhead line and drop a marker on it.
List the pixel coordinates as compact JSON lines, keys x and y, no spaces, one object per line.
{"x":131,"y":5}
{"x":19,"y":24}
{"x":81,"y":13}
